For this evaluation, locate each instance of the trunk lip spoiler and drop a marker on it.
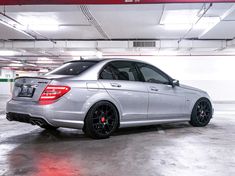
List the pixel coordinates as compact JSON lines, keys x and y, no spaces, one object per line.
{"x":32,"y":77}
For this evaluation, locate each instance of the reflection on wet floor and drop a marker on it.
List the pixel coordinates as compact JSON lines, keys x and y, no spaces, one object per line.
{"x":170,"y":149}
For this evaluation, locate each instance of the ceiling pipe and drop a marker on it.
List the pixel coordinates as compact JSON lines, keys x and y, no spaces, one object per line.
{"x":228,"y":12}
{"x":14,"y":27}
{"x":91,"y":19}
{"x":162,"y":12}
{"x":20,"y":30}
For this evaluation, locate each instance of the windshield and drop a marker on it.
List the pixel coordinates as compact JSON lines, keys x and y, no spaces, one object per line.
{"x":72,"y":68}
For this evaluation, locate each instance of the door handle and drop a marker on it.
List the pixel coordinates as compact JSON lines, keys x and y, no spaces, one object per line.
{"x":153,"y":89}
{"x":115,"y":85}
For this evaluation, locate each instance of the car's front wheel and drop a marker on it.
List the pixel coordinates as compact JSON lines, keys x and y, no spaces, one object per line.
{"x":201,"y":113}
{"x":101,"y":120}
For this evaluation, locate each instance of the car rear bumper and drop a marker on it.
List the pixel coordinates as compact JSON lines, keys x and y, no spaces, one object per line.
{"x":25,"y":118}
{"x":52,"y":114}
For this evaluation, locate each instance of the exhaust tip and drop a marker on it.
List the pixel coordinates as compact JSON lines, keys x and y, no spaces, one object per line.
{"x":8,"y":117}
{"x":36,"y":122}
{"x":32,"y":122}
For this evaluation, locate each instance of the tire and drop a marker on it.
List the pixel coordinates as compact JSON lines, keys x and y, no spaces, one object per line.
{"x":201,"y":113}
{"x":101,"y":120}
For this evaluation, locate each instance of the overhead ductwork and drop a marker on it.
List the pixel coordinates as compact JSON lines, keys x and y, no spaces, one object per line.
{"x":144,"y":44}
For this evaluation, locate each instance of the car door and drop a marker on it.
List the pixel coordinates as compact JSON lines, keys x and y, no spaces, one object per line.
{"x":122,"y":82}
{"x":165,"y":101}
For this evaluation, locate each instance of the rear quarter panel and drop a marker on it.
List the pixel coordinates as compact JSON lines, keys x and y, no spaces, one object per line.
{"x":82,"y":96}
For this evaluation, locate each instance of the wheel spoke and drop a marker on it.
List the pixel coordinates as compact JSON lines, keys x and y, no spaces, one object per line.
{"x":203,"y":112}
{"x":104,"y":119}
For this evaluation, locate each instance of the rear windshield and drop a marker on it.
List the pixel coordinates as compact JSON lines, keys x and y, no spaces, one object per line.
{"x":72,"y":68}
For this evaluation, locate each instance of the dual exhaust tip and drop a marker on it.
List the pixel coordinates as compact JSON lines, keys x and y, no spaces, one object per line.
{"x":33,"y":121}
{"x":36,"y":122}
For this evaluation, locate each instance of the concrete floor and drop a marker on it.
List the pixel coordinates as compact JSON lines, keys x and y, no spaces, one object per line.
{"x":172,"y":149}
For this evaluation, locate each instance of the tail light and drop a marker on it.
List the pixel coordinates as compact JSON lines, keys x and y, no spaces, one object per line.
{"x":52,"y":93}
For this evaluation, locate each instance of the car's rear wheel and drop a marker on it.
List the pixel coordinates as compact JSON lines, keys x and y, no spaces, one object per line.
{"x":201,"y":113}
{"x":101,"y":120}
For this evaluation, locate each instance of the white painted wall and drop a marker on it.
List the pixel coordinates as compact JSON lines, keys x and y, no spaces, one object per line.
{"x":6,"y":87}
{"x":26,"y":73}
{"x":6,"y":73}
{"x":215,"y":74}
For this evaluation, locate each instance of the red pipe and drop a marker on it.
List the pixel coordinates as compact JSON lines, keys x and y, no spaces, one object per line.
{"x":41,"y":2}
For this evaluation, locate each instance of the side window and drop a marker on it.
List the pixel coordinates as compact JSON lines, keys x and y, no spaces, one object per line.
{"x":120,"y":70}
{"x":152,"y":75}
{"x":107,"y":73}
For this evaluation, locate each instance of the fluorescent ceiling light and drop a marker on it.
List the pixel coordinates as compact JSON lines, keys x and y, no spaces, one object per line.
{"x":44,"y":60}
{"x":99,"y":54}
{"x":207,"y":22}
{"x":14,"y":61}
{"x":32,"y":65}
{"x":43,"y":70}
{"x":15,"y":65}
{"x":32,"y":18}
{"x":177,"y":27}
{"x":43,"y":27}
{"x":7,"y":53}
{"x":39,"y":27}
{"x":38,"y":22}
{"x":185,"y":19}
{"x":179,"y":17}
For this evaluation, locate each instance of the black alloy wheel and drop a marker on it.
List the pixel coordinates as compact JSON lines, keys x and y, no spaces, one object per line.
{"x":101,"y":120}
{"x":202,"y":113}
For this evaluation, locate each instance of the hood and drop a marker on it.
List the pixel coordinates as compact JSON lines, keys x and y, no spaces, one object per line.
{"x":191,"y":88}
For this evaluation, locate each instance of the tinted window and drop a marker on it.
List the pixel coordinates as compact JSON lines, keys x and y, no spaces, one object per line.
{"x":151,"y":74}
{"x":120,"y":70}
{"x":107,"y":73}
{"x":72,"y":68}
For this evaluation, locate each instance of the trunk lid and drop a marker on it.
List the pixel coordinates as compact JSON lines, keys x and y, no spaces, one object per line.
{"x":29,"y":88}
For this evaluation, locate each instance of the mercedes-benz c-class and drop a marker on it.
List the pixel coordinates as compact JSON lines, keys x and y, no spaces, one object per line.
{"x":100,"y":96}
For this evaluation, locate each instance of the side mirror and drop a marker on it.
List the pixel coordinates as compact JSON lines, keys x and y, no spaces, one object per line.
{"x":175,"y":83}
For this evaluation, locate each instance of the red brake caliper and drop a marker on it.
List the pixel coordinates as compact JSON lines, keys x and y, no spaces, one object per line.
{"x":103,"y":120}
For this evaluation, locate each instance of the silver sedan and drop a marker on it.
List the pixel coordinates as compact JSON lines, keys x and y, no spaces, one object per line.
{"x":100,"y":96}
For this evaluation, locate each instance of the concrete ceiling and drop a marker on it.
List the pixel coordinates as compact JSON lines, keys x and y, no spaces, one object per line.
{"x":119,"y":21}
{"x":118,"y":25}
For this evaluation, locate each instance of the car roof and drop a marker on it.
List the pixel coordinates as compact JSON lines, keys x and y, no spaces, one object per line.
{"x":106,"y":60}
